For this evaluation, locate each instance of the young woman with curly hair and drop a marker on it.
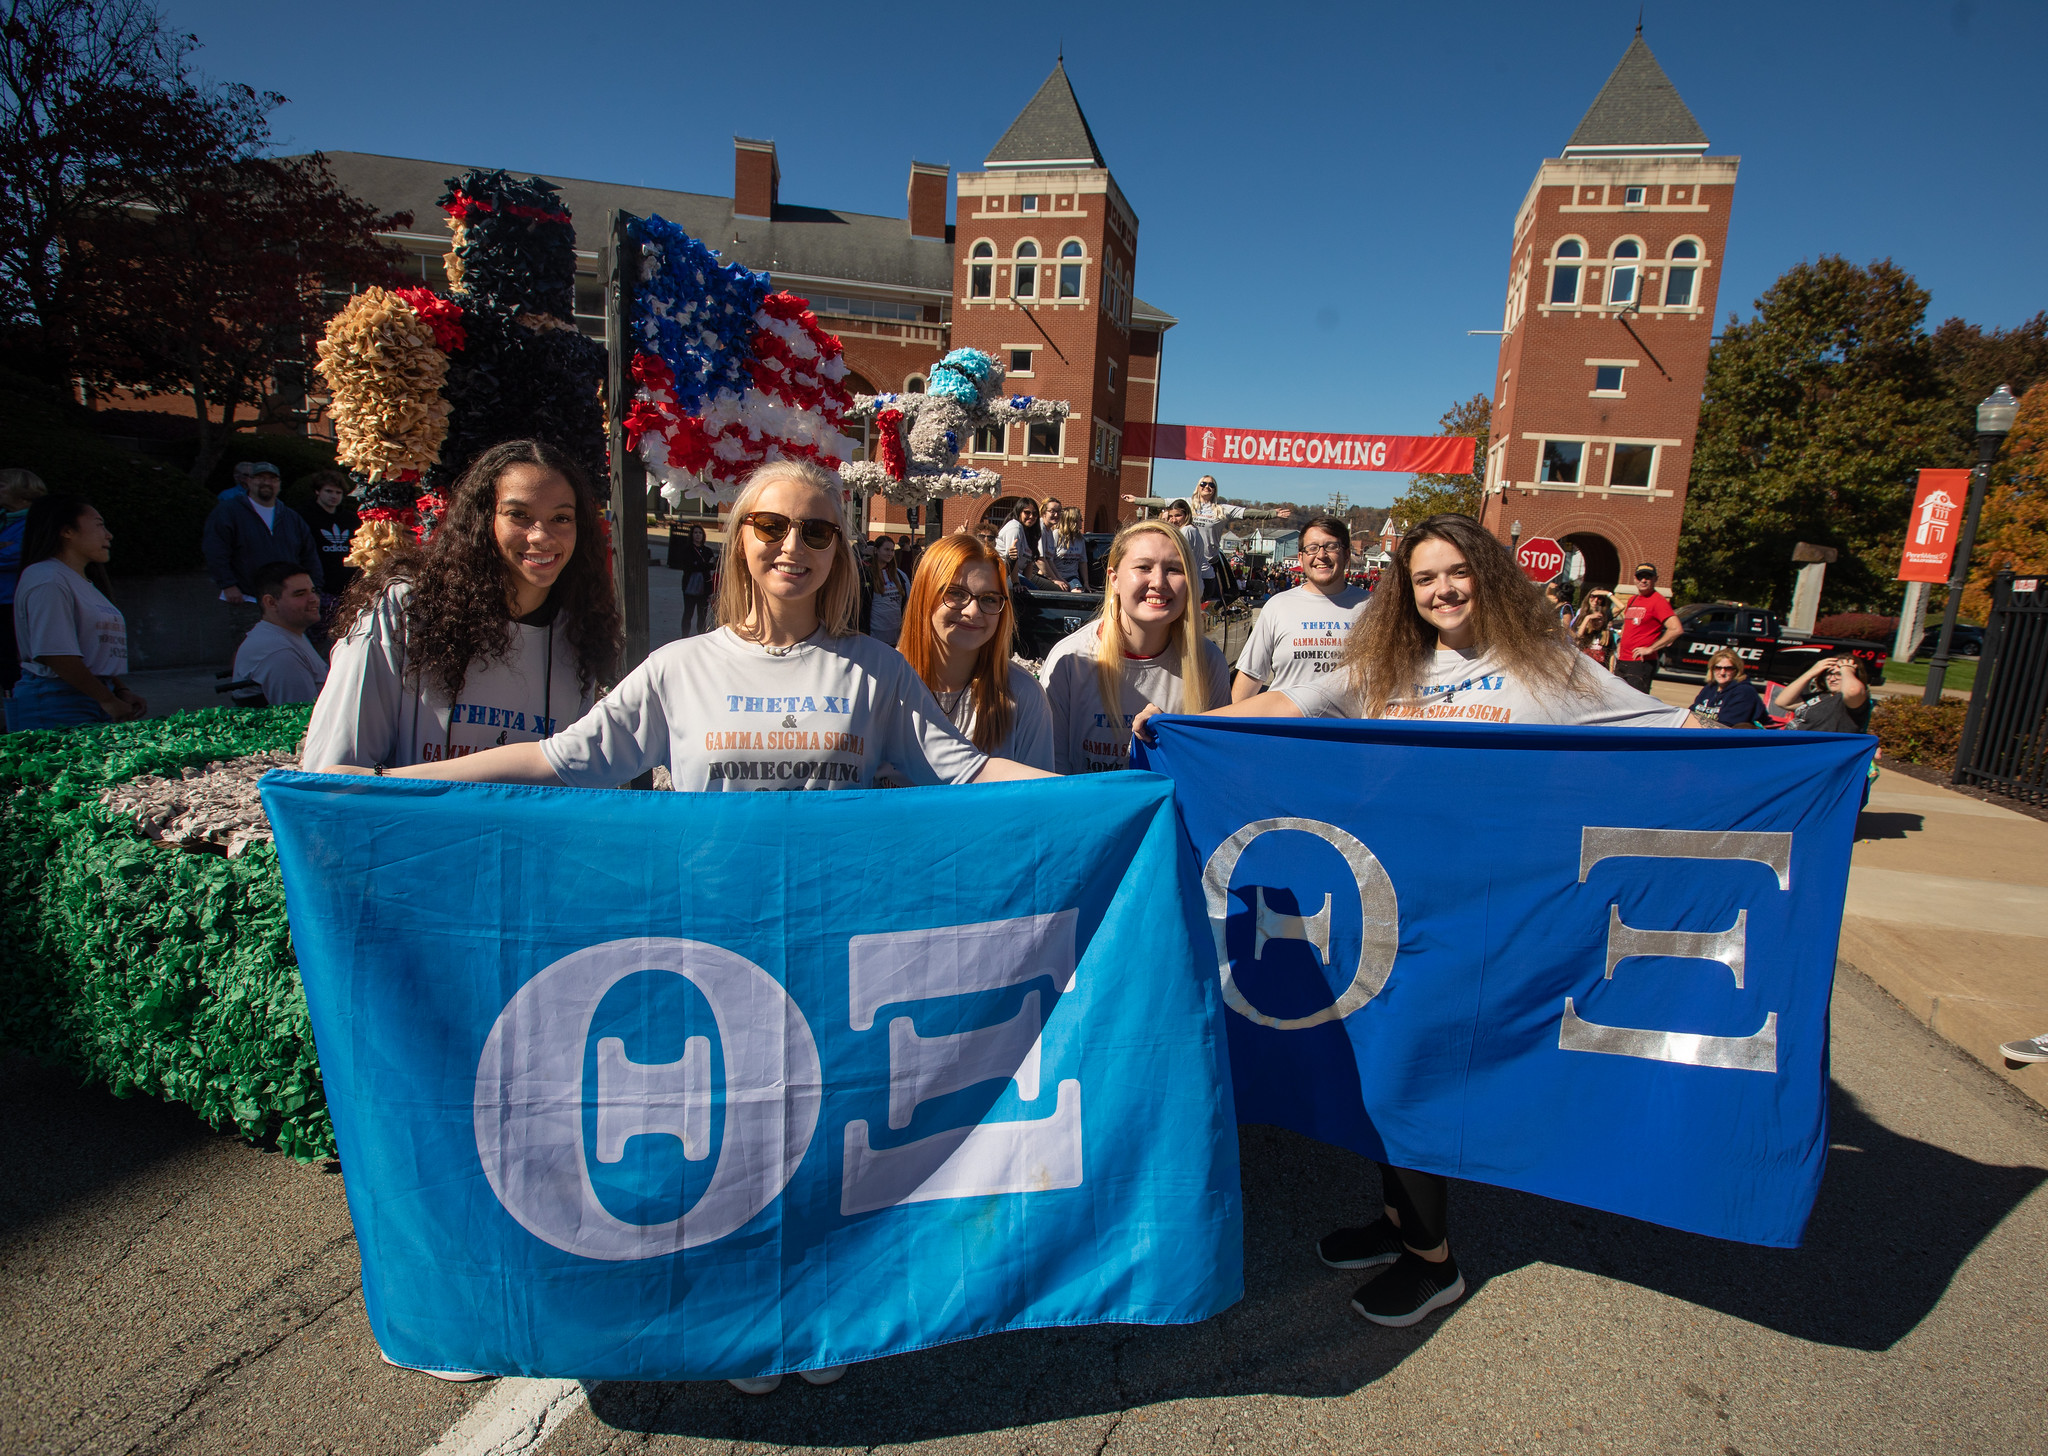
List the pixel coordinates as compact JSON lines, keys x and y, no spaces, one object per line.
{"x":1457,"y":632}
{"x":1145,"y":653}
{"x":500,"y":631}
{"x":786,"y":694}
{"x":956,"y":637}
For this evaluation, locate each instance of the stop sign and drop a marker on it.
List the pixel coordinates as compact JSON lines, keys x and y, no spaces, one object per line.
{"x":1540,"y":558}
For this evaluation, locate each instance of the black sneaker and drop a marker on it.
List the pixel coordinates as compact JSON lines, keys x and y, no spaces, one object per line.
{"x":1410,"y":1290}
{"x":1379,"y":1242}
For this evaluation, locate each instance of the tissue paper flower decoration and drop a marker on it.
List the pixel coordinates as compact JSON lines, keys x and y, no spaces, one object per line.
{"x":729,"y":375}
{"x":919,"y":436}
{"x":384,"y":371}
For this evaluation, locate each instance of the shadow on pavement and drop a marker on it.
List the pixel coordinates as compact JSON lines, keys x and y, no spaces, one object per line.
{"x":1884,"y":824}
{"x":67,"y":1142}
{"x":1895,"y":1220}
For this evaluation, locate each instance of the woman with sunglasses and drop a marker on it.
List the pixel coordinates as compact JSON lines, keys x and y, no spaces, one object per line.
{"x":956,"y":636}
{"x":1069,"y":554}
{"x":1462,"y":635}
{"x":1728,"y":700}
{"x":1025,"y":544}
{"x":1144,"y":653}
{"x":786,"y":694}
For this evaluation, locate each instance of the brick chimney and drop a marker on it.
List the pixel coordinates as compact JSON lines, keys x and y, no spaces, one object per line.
{"x":928,"y":200}
{"x":756,"y":178}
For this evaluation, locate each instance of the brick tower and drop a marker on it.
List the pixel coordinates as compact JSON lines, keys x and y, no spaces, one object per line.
{"x":1045,"y":250}
{"x":1610,"y":312}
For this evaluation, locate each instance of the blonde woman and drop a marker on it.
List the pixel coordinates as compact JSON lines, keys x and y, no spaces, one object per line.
{"x":1145,"y":651}
{"x":1069,"y":554}
{"x":1728,"y":699}
{"x":786,"y":694}
{"x":956,"y":637}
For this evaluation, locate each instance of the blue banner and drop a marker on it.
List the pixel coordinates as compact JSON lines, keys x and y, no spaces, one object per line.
{"x":1590,"y":963}
{"x":656,"y":1086}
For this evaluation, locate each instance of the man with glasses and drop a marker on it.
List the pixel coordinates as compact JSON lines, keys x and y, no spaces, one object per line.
{"x":1648,"y":627}
{"x":1300,"y":633}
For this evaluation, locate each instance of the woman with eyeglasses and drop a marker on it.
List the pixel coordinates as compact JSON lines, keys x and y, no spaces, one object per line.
{"x":1729,"y":700}
{"x":1462,"y":635}
{"x":1300,"y":632}
{"x":502,"y":628}
{"x":956,"y":637}
{"x":1144,"y":652}
{"x":882,"y":593}
{"x":785,"y":694}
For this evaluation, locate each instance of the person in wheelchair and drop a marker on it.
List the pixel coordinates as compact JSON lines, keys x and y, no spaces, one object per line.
{"x":275,"y":663}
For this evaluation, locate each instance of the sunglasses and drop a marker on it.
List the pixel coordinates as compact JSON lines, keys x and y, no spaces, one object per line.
{"x":772,"y":528}
{"x":957,"y":597}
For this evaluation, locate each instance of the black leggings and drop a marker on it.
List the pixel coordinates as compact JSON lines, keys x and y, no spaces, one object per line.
{"x":1423,"y":1202}
{"x":693,"y":609}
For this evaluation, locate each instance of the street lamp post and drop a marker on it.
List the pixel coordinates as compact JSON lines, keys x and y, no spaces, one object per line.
{"x":1994,"y":423}
{"x":1514,"y":537}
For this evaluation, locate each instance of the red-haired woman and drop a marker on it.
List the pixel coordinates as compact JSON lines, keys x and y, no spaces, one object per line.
{"x":956,"y":636}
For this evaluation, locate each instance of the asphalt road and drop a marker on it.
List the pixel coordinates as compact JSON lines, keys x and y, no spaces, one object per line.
{"x":166,"y":1289}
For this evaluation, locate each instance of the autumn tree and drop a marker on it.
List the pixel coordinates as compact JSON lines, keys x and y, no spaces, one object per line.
{"x":2013,"y":533}
{"x":1818,"y":414}
{"x":217,"y":289}
{"x":1435,"y":495}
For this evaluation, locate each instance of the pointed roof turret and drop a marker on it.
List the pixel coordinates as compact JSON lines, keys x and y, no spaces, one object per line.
{"x":1050,"y":131}
{"x":1637,"y":112}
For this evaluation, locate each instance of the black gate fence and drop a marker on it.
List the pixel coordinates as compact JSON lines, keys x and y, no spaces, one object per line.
{"x":2005,"y":733}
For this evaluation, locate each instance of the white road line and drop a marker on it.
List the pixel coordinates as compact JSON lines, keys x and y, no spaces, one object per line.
{"x":515,"y":1418}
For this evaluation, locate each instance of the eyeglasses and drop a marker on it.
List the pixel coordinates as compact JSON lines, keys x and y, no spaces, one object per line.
{"x":1323,"y":553}
{"x":991,"y":603}
{"x":771,"y":528}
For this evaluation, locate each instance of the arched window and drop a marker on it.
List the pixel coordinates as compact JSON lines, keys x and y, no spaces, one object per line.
{"x":1681,"y":281}
{"x":1621,"y":279}
{"x":1072,"y":254}
{"x":1564,"y":272}
{"x":1024,"y":282}
{"x":981,"y":277}
{"x":914,"y":384}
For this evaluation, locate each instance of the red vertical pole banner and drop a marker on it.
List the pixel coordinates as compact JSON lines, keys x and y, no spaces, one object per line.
{"x":1302,"y":449}
{"x":1932,"y":528}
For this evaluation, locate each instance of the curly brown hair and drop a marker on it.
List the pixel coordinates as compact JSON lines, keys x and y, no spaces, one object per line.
{"x":460,"y":610}
{"x":1514,"y":623}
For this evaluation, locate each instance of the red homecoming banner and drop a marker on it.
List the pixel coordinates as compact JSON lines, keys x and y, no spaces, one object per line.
{"x":1303,"y":449}
{"x":1932,"y":527}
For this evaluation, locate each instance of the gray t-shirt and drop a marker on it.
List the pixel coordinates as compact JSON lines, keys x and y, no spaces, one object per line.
{"x":1086,"y":738}
{"x":1300,"y":635}
{"x":284,"y":664}
{"x":1467,"y":687}
{"x":369,"y":712}
{"x":58,"y":613}
{"x":1029,"y":740}
{"x":722,"y":713}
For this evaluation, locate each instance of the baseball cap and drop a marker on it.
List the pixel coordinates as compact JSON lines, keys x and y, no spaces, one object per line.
{"x":1646,"y":569}
{"x":258,"y":467}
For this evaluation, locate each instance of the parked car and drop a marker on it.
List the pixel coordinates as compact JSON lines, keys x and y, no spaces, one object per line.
{"x":1772,"y":653}
{"x":1964,"y":641}
{"x":1044,"y":615}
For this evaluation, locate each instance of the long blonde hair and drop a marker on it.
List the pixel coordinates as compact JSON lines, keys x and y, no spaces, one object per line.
{"x":838,"y":598}
{"x":1068,"y":528}
{"x":939,"y":567}
{"x":1513,"y":622}
{"x":1185,"y":636}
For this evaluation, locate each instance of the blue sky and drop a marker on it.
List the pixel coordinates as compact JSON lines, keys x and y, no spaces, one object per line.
{"x":1325,"y":192}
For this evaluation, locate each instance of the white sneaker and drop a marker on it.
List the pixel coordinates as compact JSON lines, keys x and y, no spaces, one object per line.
{"x":825,"y":1376}
{"x":2035,"y":1050}
{"x":454,"y":1377}
{"x":755,"y":1384}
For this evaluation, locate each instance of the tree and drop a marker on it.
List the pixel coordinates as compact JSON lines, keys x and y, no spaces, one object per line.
{"x":1973,"y":362}
{"x":1818,"y":414}
{"x":2014,"y":529}
{"x":216,"y":291}
{"x":96,"y":102}
{"x":1435,"y":495}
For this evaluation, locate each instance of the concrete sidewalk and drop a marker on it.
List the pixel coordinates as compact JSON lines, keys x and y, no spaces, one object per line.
{"x":1948,"y":911}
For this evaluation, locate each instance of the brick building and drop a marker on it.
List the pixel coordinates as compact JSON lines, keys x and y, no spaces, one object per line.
{"x":896,"y":294}
{"x":1612,"y":278}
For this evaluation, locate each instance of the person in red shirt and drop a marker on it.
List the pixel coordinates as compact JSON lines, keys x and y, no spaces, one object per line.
{"x":1648,"y":627}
